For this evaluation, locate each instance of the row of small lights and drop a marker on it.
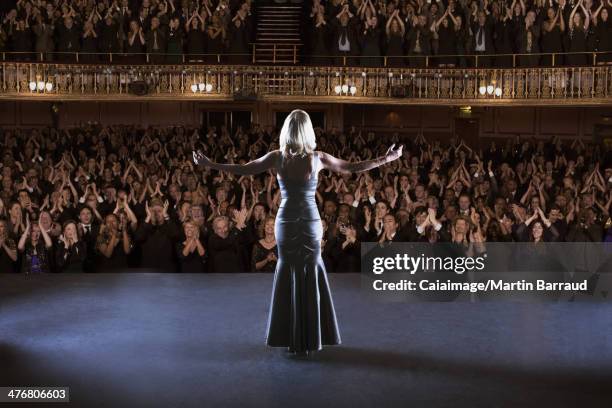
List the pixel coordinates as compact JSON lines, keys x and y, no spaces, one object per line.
{"x":345,"y":89}
{"x":40,"y":86}
{"x":490,"y":90}
{"x":201,"y":87}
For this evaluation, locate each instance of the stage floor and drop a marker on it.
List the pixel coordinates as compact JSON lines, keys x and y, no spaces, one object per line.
{"x":172,"y":340}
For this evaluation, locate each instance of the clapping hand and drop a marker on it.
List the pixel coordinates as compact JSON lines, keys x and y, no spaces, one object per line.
{"x":165,"y":210}
{"x":63,"y":240}
{"x":240,"y":218}
{"x":148,"y":211}
{"x":271,"y":257}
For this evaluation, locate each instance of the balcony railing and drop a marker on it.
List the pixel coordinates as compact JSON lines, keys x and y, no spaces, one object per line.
{"x":528,"y":60}
{"x":473,"y":86}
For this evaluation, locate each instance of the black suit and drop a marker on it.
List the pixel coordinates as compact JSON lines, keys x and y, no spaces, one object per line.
{"x":90,"y":236}
{"x":423,"y":36}
{"x":412,"y":235}
{"x":156,"y":44}
{"x":68,"y":40}
{"x":347,"y":32}
{"x":483,"y":33}
{"x":398,"y":237}
{"x":157,"y":243}
{"x":224,"y":254}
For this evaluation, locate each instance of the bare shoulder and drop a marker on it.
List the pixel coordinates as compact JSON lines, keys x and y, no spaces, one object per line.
{"x":276,"y":156}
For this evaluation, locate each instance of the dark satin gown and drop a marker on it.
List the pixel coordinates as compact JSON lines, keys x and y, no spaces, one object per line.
{"x":302,"y":315}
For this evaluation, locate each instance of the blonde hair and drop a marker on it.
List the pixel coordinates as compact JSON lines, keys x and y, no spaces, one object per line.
{"x":297,"y":137}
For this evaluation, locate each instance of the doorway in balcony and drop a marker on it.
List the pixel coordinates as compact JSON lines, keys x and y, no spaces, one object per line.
{"x":602,"y":134}
{"x":230,"y":119}
{"x":468,"y":129}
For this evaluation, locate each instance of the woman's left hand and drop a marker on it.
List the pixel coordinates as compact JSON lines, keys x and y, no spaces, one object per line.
{"x":392,"y":155}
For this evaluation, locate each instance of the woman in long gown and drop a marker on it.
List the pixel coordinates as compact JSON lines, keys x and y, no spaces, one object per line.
{"x":395,"y":31}
{"x":446,"y":40}
{"x":603,"y":34}
{"x":135,"y":44}
{"x":370,"y":44}
{"x":302,"y":316}
{"x":504,"y":40}
{"x":320,"y":38}
{"x":174,"y":47}
{"x":552,"y":37}
{"x":577,"y":36}
{"x":195,"y":38}
{"x":215,"y":37}
{"x":89,"y":47}
{"x":238,"y":48}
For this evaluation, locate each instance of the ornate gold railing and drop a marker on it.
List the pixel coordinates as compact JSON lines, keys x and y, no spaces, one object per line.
{"x":562,"y":85}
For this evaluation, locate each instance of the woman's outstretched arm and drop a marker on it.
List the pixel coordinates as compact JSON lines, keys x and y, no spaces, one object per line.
{"x":256,"y":166}
{"x":342,"y":166}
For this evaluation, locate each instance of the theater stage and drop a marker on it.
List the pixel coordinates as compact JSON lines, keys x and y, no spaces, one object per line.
{"x":170,"y":340}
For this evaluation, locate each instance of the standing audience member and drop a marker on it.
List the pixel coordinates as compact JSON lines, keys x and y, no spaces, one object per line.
{"x":191,"y":251}
{"x":156,"y":237}
{"x":265,"y":251}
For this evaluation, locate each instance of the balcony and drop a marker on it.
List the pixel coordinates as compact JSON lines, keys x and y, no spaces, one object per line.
{"x":586,"y":85}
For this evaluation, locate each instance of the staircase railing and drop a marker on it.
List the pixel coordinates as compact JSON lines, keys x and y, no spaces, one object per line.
{"x":276,"y":47}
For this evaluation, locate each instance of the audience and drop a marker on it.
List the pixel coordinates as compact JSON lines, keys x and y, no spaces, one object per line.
{"x":444,"y":33}
{"x":54,"y":30}
{"x":99,"y":198}
{"x":458,"y":33}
